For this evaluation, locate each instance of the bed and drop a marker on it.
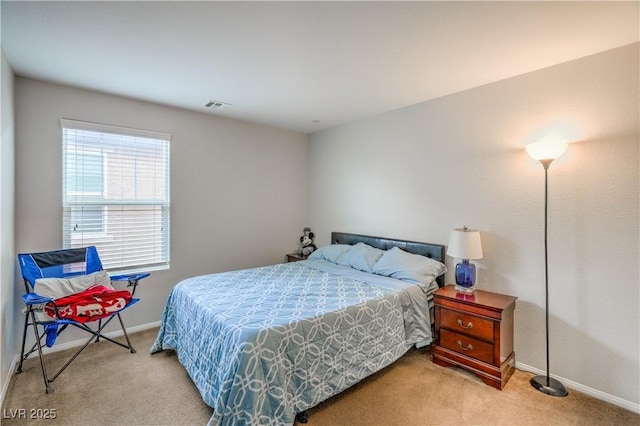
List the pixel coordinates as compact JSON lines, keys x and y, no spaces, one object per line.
{"x":263,"y":345}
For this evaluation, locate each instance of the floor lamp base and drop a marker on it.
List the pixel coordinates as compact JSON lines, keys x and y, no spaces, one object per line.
{"x":549,"y":386}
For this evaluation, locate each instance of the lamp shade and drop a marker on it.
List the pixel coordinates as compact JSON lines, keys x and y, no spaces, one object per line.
{"x":549,"y":149}
{"x":465,"y":243}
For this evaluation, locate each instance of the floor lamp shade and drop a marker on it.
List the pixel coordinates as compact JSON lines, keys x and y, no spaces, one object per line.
{"x":465,"y":244}
{"x":545,"y":152}
{"x":548,"y":149}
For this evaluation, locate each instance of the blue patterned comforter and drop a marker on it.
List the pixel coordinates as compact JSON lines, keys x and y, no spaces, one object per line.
{"x":264,"y":344}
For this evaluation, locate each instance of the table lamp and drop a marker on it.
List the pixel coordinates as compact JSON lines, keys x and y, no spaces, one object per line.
{"x":464,"y":243}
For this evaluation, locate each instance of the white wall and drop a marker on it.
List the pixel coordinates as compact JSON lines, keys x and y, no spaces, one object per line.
{"x":238,"y":190}
{"x":8,"y":344}
{"x":460,"y":160}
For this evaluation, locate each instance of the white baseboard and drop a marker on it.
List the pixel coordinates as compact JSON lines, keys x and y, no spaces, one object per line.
{"x":628,"y":405}
{"x":69,"y":345}
{"x":12,"y":371}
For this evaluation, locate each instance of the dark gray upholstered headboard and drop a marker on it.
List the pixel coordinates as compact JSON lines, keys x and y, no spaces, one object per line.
{"x":434,"y":251}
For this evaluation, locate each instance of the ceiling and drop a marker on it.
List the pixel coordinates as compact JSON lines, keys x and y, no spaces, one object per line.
{"x":302,"y":66}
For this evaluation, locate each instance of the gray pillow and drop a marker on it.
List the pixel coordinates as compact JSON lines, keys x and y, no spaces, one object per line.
{"x":331,"y":253}
{"x":361,"y":256}
{"x":397,"y":263}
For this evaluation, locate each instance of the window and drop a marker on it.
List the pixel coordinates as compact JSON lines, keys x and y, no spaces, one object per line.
{"x":116,"y":194}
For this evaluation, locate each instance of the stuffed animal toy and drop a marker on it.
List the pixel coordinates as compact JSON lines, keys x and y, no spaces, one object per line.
{"x":306,"y":242}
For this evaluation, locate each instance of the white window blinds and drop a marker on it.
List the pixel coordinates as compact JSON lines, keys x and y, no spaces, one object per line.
{"x":116,"y":194}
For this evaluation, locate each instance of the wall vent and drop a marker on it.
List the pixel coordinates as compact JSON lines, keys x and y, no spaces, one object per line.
{"x":217,"y":105}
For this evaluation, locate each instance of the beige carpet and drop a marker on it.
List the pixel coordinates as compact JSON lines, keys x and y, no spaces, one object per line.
{"x":107,"y":385}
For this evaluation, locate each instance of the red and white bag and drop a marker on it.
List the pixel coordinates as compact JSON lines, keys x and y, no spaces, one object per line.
{"x":91,"y":304}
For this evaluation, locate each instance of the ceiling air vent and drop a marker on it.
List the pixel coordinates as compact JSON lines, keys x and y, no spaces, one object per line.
{"x":216,"y":105}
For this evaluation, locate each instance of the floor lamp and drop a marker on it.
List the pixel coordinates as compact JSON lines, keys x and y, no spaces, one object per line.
{"x":545,"y":152}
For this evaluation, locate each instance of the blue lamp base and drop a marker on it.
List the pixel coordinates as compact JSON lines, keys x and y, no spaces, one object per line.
{"x":465,"y":277}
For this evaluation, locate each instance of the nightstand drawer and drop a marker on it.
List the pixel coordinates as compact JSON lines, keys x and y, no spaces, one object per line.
{"x":466,"y":345}
{"x":468,"y":324}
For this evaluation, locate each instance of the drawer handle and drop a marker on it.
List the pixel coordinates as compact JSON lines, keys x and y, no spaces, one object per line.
{"x":470,"y":325}
{"x":469,"y":347}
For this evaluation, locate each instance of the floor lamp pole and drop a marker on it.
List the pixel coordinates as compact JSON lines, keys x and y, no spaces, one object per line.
{"x":546,"y":384}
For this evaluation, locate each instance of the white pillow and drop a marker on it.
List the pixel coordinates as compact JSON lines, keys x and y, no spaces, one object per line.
{"x":361,"y":256}
{"x":397,"y":263}
{"x":56,"y":288}
{"x":331,"y":253}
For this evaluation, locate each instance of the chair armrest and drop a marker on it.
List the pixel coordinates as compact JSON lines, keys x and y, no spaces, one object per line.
{"x":34,"y":299}
{"x":130,"y":277}
{"x":132,"y":280}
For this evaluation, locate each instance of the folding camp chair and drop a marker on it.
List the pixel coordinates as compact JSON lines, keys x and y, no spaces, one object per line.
{"x":70,"y":273}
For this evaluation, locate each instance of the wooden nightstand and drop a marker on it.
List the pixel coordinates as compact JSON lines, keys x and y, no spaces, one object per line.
{"x":475,"y":332}
{"x":295,"y":257}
